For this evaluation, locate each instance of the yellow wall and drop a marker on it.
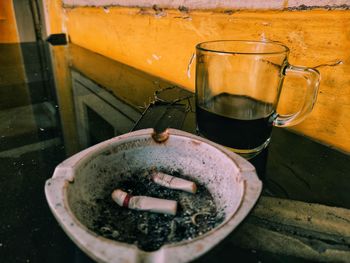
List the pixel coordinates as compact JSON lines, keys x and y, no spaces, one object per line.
{"x":55,"y":12}
{"x":12,"y":72}
{"x":14,"y":91}
{"x":161,"y":43}
{"x":8,"y":28}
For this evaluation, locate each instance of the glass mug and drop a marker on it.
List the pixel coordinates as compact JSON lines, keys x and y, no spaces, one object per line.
{"x":238,"y":85}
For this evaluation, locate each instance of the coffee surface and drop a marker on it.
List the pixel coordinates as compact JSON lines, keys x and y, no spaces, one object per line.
{"x":239,"y":122}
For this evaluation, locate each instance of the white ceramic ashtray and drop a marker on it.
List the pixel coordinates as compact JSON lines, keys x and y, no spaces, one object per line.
{"x":80,"y":196}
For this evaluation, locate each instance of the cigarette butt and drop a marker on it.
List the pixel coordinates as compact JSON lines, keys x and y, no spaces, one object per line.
{"x":144,"y":203}
{"x":173,"y":182}
{"x":119,"y":197}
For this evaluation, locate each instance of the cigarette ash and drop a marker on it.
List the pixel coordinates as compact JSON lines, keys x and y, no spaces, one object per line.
{"x":196,"y":214}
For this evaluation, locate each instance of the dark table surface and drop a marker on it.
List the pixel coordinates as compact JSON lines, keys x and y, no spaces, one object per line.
{"x":42,"y":124}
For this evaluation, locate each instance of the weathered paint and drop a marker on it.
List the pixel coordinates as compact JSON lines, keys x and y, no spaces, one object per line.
{"x":209,"y":4}
{"x":8,"y":26}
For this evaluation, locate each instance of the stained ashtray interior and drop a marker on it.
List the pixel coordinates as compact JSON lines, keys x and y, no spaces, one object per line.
{"x":196,"y":213}
{"x":127,"y":165}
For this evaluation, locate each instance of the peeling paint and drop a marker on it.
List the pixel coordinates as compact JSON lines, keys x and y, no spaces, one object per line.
{"x":159,"y":11}
{"x":185,"y":6}
{"x":228,"y":12}
{"x":266,"y":23}
{"x":312,"y":7}
{"x":184,"y":17}
{"x":183,"y":9}
{"x":156,"y":57}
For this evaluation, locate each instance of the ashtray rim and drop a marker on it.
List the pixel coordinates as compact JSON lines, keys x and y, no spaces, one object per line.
{"x":106,"y":250}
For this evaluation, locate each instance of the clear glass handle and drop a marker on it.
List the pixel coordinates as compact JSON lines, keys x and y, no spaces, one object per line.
{"x":312,"y":77}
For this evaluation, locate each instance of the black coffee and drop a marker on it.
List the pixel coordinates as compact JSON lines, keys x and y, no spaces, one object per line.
{"x":239,"y":122}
